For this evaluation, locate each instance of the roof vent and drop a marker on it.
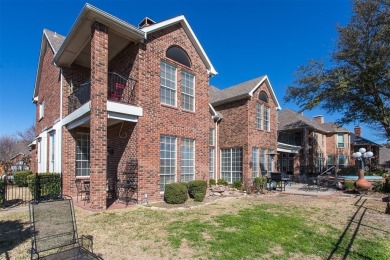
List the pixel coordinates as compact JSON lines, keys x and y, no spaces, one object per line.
{"x":146,"y":22}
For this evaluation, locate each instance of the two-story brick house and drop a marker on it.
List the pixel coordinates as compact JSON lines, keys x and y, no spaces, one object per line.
{"x":117,"y":102}
{"x":321,"y":145}
{"x":245,"y":124}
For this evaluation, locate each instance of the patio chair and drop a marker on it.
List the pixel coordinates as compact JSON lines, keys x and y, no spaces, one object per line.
{"x":83,"y":189}
{"x":54,"y":232}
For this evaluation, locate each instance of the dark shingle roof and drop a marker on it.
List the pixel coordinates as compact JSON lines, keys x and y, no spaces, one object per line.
{"x":358,"y":140}
{"x":54,"y":39}
{"x":242,"y":89}
{"x":334,"y":128}
{"x":289,"y":119}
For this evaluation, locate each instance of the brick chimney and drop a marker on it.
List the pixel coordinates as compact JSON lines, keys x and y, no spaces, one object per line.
{"x":358,"y":130}
{"x":319,"y":119}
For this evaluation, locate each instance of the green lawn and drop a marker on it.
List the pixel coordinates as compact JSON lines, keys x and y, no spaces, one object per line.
{"x":247,"y":227}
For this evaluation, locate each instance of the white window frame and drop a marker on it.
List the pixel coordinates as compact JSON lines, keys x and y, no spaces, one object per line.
{"x":267,"y":119}
{"x":187,"y":163}
{"x":270,"y":162}
{"x":340,"y":143}
{"x":211,"y":163}
{"x":259,"y":116}
{"x":52,"y":151}
{"x":85,"y":168}
{"x":165,"y":87}
{"x":231,"y":164}
{"x":42,"y":109}
{"x":168,"y":160}
{"x":187,"y":91}
{"x":263,"y":161}
{"x":343,"y":157}
{"x":255,"y":162}
{"x":212,"y":137}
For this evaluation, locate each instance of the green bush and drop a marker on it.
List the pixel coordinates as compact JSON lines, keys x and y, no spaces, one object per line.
{"x":175,"y":193}
{"x":2,"y":192}
{"x":237,"y":185}
{"x":260,"y":183}
{"x":212,"y":182}
{"x":49,"y":184}
{"x":349,"y":185}
{"x":197,"y":189}
{"x":20,"y":178}
{"x":386,"y":185}
{"x":185,"y":184}
{"x":222,"y":182}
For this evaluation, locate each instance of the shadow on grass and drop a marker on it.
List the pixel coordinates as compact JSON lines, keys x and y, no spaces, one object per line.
{"x":12,"y":234}
{"x":356,"y":219}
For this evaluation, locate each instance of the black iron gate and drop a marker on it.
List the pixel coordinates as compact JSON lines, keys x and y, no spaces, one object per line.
{"x":38,"y":187}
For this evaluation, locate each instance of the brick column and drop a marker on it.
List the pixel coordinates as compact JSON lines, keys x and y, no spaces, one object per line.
{"x":98,"y":130}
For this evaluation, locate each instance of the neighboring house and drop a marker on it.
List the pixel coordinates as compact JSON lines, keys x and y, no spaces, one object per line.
{"x":117,"y":102}
{"x":311,"y":145}
{"x":384,"y":158}
{"x":357,"y":142}
{"x":245,"y":130}
{"x":20,"y":162}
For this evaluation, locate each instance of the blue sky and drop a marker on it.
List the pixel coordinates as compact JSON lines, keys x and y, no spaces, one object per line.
{"x":244,"y":39}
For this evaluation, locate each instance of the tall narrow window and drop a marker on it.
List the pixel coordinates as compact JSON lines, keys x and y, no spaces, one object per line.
{"x":330,"y":161}
{"x":231,"y":164}
{"x":211,"y":137}
{"x":340,"y":140}
{"x":39,"y":150}
{"x":187,"y":165}
{"x":341,"y":161}
{"x":187,"y":91}
{"x":211,"y":163}
{"x":168,"y":84}
{"x":52,"y":151}
{"x":267,"y":119}
{"x":255,"y":162}
{"x":270,"y":162}
{"x":263,"y":162}
{"x":167,"y":160}
{"x":42,"y":109}
{"x":259,"y":116}
{"x":82,"y":154}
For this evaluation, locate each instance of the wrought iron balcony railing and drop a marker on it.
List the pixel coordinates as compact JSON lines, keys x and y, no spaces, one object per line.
{"x":120,"y":89}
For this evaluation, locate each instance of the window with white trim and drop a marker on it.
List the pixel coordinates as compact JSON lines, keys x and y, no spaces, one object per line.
{"x":267,"y":119}
{"x":263,"y":162}
{"x":212,"y":137}
{"x":187,"y":165}
{"x":42,"y":109}
{"x":341,"y":161}
{"x":39,"y":150}
{"x":167,"y":160}
{"x":187,"y":91}
{"x":168,"y":84}
{"x":270,"y":162}
{"x":82,"y":154}
{"x":340,"y":140}
{"x":211,"y":163}
{"x":255,"y":162}
{"x":259,"y":116}
{"x":52,"y":151}
{"x":231,"y":164}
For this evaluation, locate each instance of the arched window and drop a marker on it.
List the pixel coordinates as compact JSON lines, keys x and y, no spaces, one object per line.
{"x":178,"y":54}
{"x":263,"y":97}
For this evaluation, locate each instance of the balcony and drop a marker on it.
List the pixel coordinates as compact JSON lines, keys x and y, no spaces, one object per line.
{"x":120,"y":90}
{"x":121,"y":103}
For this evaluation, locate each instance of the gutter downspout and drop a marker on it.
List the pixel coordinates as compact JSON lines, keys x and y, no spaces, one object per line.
{"x":216,"y":119}
{"x":60,"y":132}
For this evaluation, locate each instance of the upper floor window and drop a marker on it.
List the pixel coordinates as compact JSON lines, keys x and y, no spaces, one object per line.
{"x":340,"y":140}
{"x":263,"y":97}
{"x":259,"y":116}
{"x":187,"y":91}
{"x":42,"y":109}
{"x":267,"y":125}
{"x":179,"y":55}
{"x":168,"y":84}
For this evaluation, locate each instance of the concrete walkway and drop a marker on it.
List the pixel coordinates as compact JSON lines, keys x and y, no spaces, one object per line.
{"x":303,"y":189}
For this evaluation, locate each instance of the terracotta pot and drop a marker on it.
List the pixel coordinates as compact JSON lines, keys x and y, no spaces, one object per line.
{"x":362,"y":184}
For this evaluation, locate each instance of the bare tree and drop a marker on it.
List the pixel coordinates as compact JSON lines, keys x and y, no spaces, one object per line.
{"x":7,"y":151}
{"x":28,"y":135}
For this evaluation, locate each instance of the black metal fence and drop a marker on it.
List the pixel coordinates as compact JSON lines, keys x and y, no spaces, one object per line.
{"x":32,"y":187}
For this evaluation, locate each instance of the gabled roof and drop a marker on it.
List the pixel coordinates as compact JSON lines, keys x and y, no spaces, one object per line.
{"x":289,"y":119}
{"x":191,"y":35}
{"x":55,"y":41}
{"x":334,"y":128}
{"x":358,"y":140}
{"x":240,"y":91}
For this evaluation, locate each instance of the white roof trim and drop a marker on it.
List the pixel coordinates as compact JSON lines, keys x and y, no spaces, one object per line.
{"x":40,"y":61}
{"x":183,"y":21}
{"x":212,"y":109}
{"x":265,"y":79}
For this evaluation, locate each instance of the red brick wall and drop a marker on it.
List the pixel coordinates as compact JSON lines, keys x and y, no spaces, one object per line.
{"x":164,"y":120}
{"x":98,"y":122}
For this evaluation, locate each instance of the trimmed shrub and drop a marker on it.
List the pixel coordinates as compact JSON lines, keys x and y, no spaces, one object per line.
{"x":185,"y":184}
{"x":197,"y":189}
{"x":2,"y":191}
{"x":175,"y":193}
{"x":49,"y":184}
{"x":237,"y":185}
{"x":222,"y":182}
{"x":20,"y":178}
{"x":212,"y":182}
